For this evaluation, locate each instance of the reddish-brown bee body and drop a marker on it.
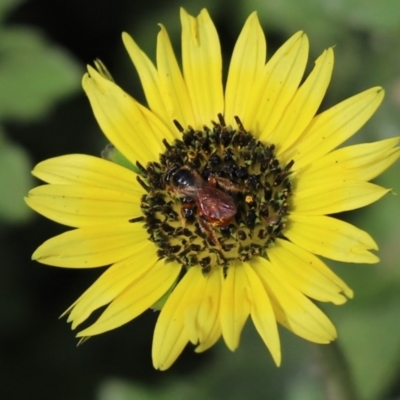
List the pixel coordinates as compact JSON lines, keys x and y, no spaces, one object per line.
{"x":215,"y":208}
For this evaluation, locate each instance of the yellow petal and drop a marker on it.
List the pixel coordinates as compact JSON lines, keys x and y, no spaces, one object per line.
{"x":235,"y":304}
{"x":80,"y":205}
{"x":304,"y":104}
{"x":172,"y":86}
{"x":87,"y":170}
{"x":170,"y":335}
{"x":207,"y":319}
{"x":262,"y":314}
{"x":202,"y":314}
{"x":122,"y":120}
{"x":276,"y":86}
{"x":202,"y":67}
{"x":247,"y":61}
{"x":331,"y":238}
{"x":358,"y":162}
{"x":193,"y":328}
{"x":112,"y":283}
{"x":149,"y":79}
{"x":332,"y":127}
{"x":92,"y":246}
{"x":307,"y":273}
{"x":138,"y":297}
{"x":213,"y":335}
{"x":334,"y":197}
{"x":292,"y":309}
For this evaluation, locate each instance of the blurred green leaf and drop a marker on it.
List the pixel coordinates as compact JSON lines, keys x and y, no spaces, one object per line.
{"x":15,"y":181}
{"x":370,"y":338}
{"x":368,"y":15}
{"x":115,"y":389}
{"x":34,"y":75}
{"x":369,"y":325}
{"x":8,"y":5}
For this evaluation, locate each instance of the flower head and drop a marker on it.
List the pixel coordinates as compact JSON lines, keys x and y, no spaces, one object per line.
{"x":227,"y":199}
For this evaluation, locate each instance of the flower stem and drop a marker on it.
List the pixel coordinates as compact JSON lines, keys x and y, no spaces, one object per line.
{"x":335,"y":373}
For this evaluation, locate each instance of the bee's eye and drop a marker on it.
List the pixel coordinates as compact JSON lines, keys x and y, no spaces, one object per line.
{"x":183,"y":178}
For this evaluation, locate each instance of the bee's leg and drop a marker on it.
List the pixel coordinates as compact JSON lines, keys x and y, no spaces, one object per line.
{"x":224,"y":183}
{"x":209,"y":230}
{"x":188,"y":210}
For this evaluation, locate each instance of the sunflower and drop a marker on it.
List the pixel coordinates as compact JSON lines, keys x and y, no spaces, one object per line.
{"x":224,"y":201}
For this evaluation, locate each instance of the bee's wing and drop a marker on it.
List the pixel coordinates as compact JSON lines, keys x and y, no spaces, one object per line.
{"x":215,"y":204}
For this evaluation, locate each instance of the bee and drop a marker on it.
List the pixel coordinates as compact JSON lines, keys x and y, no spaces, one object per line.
{"x":215,"y":207}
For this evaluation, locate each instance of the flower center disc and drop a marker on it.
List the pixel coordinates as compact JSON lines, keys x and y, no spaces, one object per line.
{"x":215,"y":195}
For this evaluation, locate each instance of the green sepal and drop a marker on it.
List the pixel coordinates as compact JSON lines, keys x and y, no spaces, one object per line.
{"x":111,"y":153}
{"x":159,"y":304}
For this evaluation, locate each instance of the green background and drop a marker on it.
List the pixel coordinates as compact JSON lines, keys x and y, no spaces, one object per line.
{"x":44,"y":46}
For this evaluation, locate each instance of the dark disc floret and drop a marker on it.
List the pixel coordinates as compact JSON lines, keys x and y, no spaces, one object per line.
{"x":234,"y":162}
